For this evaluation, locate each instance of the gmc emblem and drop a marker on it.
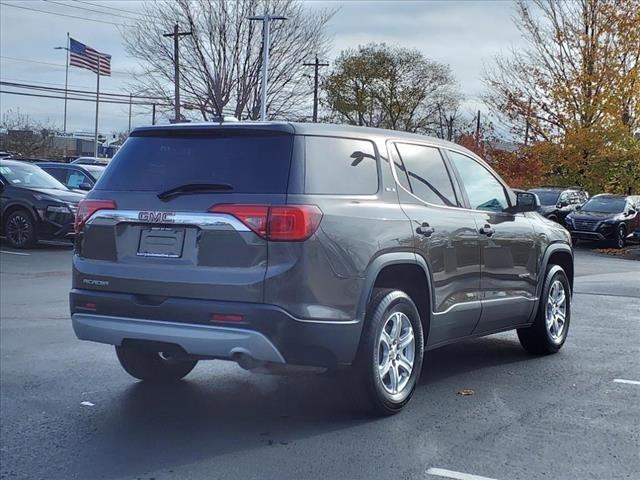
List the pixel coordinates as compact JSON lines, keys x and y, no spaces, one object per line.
{"x":156,"y":217}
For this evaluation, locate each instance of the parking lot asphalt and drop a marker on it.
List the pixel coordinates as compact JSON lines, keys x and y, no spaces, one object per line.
{"x":556,"y":417}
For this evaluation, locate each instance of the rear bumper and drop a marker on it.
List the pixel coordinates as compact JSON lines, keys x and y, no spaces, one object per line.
{"x":208,"y":341}
{"x":266,"y":333}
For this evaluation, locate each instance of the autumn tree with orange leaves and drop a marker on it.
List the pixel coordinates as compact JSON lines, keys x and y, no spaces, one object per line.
{"x":573,"y":94}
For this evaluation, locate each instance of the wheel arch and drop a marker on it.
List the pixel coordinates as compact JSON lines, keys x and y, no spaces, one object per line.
{"x":404,"y":271}
{"x":557,"y":254}
{"x":9,"y":209}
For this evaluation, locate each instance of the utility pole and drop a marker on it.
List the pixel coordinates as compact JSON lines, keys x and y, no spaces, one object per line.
{"x":176,"y":65}
{"x":526,"y":127}
{"x":478,"y":130}
{"x":316,"y":66}
{"x":130,"y":100}
{"x":153,"y":115}
{"x":266,"y":45}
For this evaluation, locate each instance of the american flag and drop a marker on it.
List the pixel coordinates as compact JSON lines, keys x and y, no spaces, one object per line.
{"x":83,"y":56}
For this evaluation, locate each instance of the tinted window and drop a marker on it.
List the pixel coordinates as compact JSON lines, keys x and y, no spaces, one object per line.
{"x":400,"y":169}
{"x":605,"y":205}
{"x":248,"y":161}
{"x":547,"y":197}
{"x":340,"y":166}
{"x":59,"y":174}
{"x":485,"y":192}
{"x":428,"y":174}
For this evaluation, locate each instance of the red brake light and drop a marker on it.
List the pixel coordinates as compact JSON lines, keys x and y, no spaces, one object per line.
{"x":86,"y":208}
{"x":253,"y":216}
{"x":285,"y":223}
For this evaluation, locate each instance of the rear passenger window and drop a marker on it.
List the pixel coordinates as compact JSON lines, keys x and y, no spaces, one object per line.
{"x":428,"y":175}
{"x":340,"y":166}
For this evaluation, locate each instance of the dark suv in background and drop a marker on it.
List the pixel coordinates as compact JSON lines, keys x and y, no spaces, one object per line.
{"x":557,"y":202}
{"x":606,"y":217}
{"x":74,"y":176}
{"x":34,"y":205}
{"x":326,"y":247}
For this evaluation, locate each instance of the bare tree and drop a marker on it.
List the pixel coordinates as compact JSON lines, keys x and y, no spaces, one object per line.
{"x":25,"y":137}
{"x":221,"y":61}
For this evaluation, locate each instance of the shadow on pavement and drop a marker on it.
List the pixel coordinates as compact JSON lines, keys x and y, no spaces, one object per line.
{"x":155,"y":427}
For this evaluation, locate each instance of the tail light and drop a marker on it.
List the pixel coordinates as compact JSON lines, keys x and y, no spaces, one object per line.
{"x":283,"y":223}
{"x":86,"y":208}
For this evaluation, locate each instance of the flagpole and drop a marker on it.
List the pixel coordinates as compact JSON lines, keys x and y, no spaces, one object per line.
{"x":95,"y":137}
{"x":66,"y":87}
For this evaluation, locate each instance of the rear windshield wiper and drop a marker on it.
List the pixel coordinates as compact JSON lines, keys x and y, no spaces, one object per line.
{"x":190,"y":188}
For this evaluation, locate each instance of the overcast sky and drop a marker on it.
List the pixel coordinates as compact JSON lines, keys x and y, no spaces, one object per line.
{"x":464,"y":35}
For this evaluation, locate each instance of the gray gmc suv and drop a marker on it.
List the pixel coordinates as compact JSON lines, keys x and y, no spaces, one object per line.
{"x":305,"y":245}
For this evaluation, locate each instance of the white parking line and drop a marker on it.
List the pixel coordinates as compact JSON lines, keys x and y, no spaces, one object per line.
{"x":441,"y":472}
{"x":629,"y":382}
{"x":15,"y":253}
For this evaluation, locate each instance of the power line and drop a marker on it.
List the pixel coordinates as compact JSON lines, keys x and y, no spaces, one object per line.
{"x":27,"y":86}
{"x":81,"y":99}
{"x":59,"y":65}
{"x":65,"y":15}
{"x":120,"y":10}
{"x":67,"y":5}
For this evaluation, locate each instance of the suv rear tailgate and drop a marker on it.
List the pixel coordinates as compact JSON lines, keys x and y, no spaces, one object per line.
{"x":174,"y":247}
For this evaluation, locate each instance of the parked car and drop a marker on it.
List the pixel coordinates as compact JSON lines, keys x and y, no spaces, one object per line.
{"x":557,"y":202}
{"x":75,"y":176}
{"x":606,"y":217}
{"x":34,"y":205}
{"x":321,"y":246}
{"x":91,"y":161}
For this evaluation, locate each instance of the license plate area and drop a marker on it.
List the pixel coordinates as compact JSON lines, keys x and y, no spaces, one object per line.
{"x":165,"y":242}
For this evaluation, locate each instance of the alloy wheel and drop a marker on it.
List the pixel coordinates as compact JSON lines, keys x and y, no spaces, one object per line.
{"x":19,"y":230}
{"x":556,"y":311}
{"x":396,"y":353}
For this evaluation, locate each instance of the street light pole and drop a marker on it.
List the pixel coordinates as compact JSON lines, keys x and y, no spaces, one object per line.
{"x":66,"y":83}
{"x":266,"y":44}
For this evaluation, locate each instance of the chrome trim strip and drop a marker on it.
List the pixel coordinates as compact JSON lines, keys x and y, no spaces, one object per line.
{"x":203,"y":220}
{"x":491,"y":300}
{"x":442,"y":147}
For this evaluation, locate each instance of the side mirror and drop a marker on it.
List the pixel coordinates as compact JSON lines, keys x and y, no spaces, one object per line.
{"x":527,"y":202}
{"x":85,"y":186}
{"x":631,"y":212}
{"x":579,"y":207}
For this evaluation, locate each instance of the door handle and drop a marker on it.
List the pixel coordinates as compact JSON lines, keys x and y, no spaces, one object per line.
{"x":487,"y":230}
{"x":425,"y":229}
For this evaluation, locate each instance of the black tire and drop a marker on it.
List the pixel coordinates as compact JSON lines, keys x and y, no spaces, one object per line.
{"x":362,"y":379}
{"x":538,"y":339}
{"x":620,"y":241}
{"x":553,"y":218}
{"x":20,"y":229}
{"x":151,"y":366}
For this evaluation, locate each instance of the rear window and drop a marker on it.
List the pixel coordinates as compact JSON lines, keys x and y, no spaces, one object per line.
{"x":340,"y":166}
{"x":249,"y":162}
